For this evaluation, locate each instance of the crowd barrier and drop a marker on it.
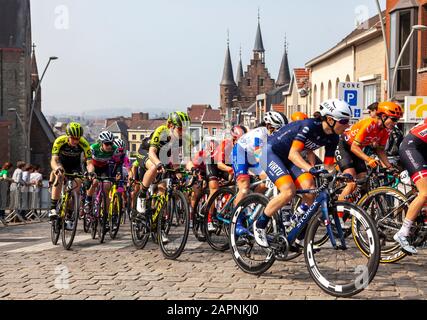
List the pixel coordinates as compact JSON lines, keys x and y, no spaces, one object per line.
{"x":28,"y":201}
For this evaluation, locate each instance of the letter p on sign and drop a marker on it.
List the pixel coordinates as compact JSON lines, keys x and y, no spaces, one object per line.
{"x":350,"y":96}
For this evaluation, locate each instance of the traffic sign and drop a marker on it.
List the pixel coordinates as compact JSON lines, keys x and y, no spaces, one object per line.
{"x":353,"y":94}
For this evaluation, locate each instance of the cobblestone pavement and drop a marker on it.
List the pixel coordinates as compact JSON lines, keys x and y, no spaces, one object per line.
{"x":32,"y":268}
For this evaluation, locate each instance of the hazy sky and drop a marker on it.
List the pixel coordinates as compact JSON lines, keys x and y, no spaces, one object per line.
{"x":168,"y":54}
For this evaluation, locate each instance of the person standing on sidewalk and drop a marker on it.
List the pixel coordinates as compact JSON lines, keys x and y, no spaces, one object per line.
{"x":15,"y":187}
{"x":5,"y":178}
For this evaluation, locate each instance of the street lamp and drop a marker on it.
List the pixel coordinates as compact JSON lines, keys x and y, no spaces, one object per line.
{"x":13,"y":110}
{"x":417,"y":27}
{"x":28,"y":153}
{"x":387,"y":53}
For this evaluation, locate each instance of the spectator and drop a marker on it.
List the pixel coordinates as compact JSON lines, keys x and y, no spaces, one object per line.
{"x":5,"y":177}
{"x":36,"y":178}
{"x":26,"y":172}
{"x":16,"y":185}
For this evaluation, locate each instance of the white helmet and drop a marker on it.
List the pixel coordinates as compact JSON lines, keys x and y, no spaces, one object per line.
{"x":106,"y":137}
{"x":337,"y":109}
{"x":119,"y":143}
{"x":275,"y":119}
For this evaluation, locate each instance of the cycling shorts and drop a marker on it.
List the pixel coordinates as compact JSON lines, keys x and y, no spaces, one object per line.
{"x":413,"y":156}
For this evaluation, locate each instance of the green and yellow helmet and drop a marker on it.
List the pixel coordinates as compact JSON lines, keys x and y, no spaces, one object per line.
{"x":179,"y":119}
{"x":74,"y":129}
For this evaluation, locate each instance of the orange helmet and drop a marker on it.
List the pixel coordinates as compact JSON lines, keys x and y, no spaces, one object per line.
{"x":299,"y":116}
{"x":390,"y":109}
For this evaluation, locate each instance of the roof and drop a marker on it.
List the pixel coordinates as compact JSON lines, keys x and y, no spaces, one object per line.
{"x":196,"y":111}
{"x":302,"y":77}
{"x":363,"y":31}
{"x":284,"y":73}
{"x":227,"y":75}
{"x":44,"y":124}
{"x":212,"y":115}
{"x":14,"y":23}
{"x":259,"y":44}
{"x":118,"y":126}
{"x":239,"y":75}
{"x":149,"y":125}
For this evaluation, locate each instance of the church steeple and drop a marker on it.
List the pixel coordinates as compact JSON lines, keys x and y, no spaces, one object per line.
{"x":227,"y":75}
{"x":284,"y":73}
{"x":239,"y":75}
{"x":259,"y":44}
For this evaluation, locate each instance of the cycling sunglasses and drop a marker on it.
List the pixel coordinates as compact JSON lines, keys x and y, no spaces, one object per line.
{"x":344,"y":121}
{"x":108,"y":143}
{"x":394,"y":119}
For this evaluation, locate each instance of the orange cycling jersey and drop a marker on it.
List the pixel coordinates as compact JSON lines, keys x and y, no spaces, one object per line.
{"x":367,"y":132}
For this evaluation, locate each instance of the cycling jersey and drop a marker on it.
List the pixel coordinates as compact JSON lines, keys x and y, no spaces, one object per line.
{"x":413,"y":152}
{"x":69,"y":156}
{"x":367,"y":132}
{"x":100,"y":157}
{"x":162,"y":137}
{"x":307,"y":135}
{"x":223,"y":154}
{"x":247,"y":152}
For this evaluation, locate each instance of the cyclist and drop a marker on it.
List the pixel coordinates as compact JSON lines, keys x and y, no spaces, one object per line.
{"x":299,"y":116}
{"x":373,"y":132}
{"x":413,"y":155}
{"x":139,"y":168}
{"x":222,"y":168}
{"x":164,"y":139}
{"x":66,"y":158}
{"x":247,"y":152}
{"x":284,"y":161}
{"x":103,"y":153}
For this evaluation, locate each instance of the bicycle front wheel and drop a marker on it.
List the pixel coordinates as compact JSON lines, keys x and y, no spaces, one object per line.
{"x":102,"y":219}
{"x":70,"y":221}
{"x":342,"y":271}
{"x":173,"y":225}
{"x":55,"y":230}
{"x":116,"y":216}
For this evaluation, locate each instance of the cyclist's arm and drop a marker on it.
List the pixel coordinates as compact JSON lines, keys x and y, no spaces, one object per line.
{"x":223,"y":167}
{"x":296,"y":157}
{"x":152,"y":154}
{"x":89,"y":165}
{"x":311,"y":157}
{"x":383,"y":156}
{"x":54,"y":163}
{"x":357,"y":150}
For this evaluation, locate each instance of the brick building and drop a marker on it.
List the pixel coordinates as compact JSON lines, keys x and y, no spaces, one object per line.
{"x":401,"y":15}
{"x":18,"y":81}
{"x":241,"y":94}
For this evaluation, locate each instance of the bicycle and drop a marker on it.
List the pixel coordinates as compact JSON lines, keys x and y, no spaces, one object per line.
{"x":166,"y":218}
{"x":68,"y":211}
{"x":115,"y":209}
{"x":348,"y":278}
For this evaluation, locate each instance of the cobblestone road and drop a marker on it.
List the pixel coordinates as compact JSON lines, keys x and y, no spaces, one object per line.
{"x":32,"y":268}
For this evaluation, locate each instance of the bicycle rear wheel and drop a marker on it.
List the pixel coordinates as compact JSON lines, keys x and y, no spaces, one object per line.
{"x":140,"y":227}
{"x":247,"y":254}
{"x":70,"y":221}
{"x":342,"y":272}
{"x":198,"y":216}
{"x":173,"y":225}
{"x":388,"y":207}
{"x":102,"y":219}
{"x":219,"y":212}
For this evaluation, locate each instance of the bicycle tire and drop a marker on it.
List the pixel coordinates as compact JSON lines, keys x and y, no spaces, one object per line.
{"x":266,"y":256}
{"x":102,"y":220}
{"x":67,"y":243}
{"x":332,"y":284}
{"x":198,"y":216}
{"x":140,"y":230}
{"x":395,"y":253}
{"x":165,"y":222}
{"x":216,"y":240}
{"x":55,"y":231}
{"x":116,"y":216}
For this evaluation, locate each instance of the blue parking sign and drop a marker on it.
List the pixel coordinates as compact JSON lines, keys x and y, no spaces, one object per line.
{"x":350,"y":96}
{"x":357,"y":113}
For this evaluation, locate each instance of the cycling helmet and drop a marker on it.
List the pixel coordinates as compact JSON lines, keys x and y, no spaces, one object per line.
{"x":238,"y":131}
{"x":390,"y":109}
{"x":179,"y":119}
{"x":119,"y":143}
{"x":299,"y":116}
{"x":336,"y":109}
{"x":74,"y":129}
{"x":275,"y":119}
{"x":106,"y":137}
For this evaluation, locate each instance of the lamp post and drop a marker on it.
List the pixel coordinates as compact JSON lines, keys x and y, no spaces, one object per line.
{"x":417,"y":27}
{"x":387,"y":53}
{"x":13,"y":110}
{"x":28,"y":137}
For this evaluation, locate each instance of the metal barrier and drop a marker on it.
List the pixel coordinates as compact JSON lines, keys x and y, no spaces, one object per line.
{"x":31,"y":202}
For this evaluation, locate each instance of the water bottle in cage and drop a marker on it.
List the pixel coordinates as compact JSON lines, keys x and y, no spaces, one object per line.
{"x":302,"y":209}
{"x":286,"y":213}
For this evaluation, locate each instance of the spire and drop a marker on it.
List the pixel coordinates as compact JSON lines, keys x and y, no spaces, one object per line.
{"x":284,"y":73}
{"x":227,"y":76}
{"x":34,"y":69}
{"x":259,"y":45}
{"x":239,"y":75}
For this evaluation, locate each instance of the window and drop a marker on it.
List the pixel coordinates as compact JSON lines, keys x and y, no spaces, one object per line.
{"x":261,"y":82}
{"x":322,"y":93}
{"x":214,"y":131}
{"x":141,"y":137}
{"x":401,"y":23}
{"x":370,"y":94}
{"x":315,"y":97}
{"x":206,"y":131}
{"x":248,"y":82}
{"x":423,"y":61}
{"x":329,"y":89}
{"x":337,"y":88}
{"x":134,"y":137}
{"x":133,"y":147}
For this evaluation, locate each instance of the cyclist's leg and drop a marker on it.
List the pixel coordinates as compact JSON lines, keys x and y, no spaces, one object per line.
{"x":241,"y":172}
